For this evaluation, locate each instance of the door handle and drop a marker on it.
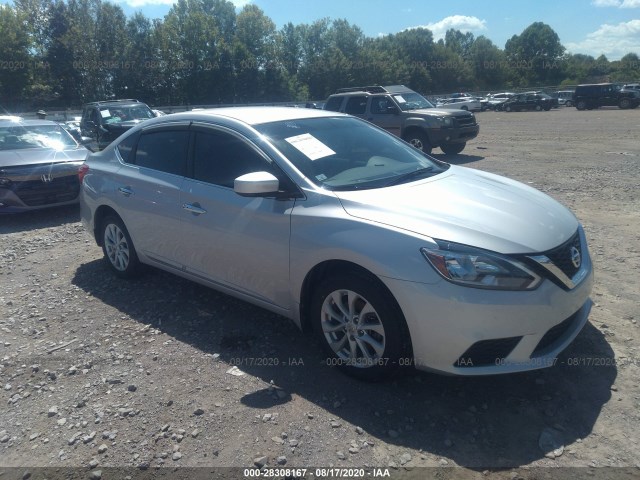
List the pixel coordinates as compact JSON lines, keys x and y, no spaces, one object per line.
{"x":126,"y":191}
{"x":194,"y":208}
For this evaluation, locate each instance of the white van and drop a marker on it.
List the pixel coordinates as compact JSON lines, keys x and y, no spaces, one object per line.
{"x":565,"y":97}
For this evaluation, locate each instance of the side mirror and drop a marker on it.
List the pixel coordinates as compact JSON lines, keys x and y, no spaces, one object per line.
{"x":256,"y":184}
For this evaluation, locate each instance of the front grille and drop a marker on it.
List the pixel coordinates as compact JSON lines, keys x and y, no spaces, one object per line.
{"x":35,"y":193}
{"x":487,"y":352}
{"x":466,"y":121}
{"x":561,"y":256}
{"x":553,"y":335}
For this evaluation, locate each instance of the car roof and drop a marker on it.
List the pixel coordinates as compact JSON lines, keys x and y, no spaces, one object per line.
{"x":252,"y":115}
{"x":12,"y":123}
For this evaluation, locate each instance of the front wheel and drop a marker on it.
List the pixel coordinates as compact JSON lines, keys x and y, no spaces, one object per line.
{"x":418,"y":140}
{"x":625,"y":103}
{"x":453,"y":148}
{"x":360,"y":326}
{"x":118,"y":248}
{"x":581,"y":105}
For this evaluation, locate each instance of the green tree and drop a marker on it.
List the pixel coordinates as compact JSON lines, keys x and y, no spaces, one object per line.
{"x":14,"y":52}
{"x":535,"y":55}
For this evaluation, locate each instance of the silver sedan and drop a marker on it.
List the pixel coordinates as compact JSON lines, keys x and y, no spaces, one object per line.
{"x":394,"y":259}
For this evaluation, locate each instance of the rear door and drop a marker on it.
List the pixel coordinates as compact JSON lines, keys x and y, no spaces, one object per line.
{"x":147,"y":192}
{"x":230,"y":240}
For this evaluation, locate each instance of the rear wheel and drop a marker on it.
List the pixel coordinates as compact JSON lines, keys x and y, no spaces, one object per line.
{"x":360,"y":326}
{"x":418,"y":140}
{"x":568,"y":103}
{"x":581,"y":105}
{"x":538,"y":108}
{"x":625,"y":103}
{"x":507,"y":108}
{"x":118,"y":248}
{"x":453,"y":148}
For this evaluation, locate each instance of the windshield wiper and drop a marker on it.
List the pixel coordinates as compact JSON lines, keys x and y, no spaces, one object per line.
{"x":422,"y":172}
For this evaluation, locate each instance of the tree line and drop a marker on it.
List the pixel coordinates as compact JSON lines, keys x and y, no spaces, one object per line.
{"x":62,"y":53}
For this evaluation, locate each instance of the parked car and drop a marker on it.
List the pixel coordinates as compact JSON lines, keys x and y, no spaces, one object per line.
{"x":391,"y":257}
{"x":495,"y":101}
{"x":408,"y":115}
{"x":103,"y":122}
{"x":565,"y":97}
{"x":39,"y":164}
{"x":463,"y":103}
{"x":528,"y":101}
{"x":590,"y":96}
{"x":633,"y":88}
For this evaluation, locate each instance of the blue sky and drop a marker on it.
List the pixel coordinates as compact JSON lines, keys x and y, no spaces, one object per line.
{"x":593,"y":27}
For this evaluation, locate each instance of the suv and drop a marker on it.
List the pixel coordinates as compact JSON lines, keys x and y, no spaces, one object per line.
{"x":603,"y":95}
{"x":408,"y":115}
{"x":103,"y":122}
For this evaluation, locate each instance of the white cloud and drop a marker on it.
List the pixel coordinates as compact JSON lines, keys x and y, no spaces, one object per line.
{"x":614,"y":41}
{"x":459,"y":22}
{"x":616,"y":3}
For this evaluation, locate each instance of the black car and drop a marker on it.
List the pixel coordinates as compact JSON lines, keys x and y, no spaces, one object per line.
{"x":590,"y":96}
{"x":528,"y":101}
{"x":103,"y":122}
{"x":39,"y":164}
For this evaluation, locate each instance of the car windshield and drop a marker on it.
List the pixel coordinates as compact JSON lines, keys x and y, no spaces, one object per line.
{"x":119,"y":114}
{"x":342,"y":153}
{"x":19,"y":137}
{"x":411,"y":101}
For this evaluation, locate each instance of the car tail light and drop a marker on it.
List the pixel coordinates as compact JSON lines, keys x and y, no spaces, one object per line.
{"x":82,"y":171}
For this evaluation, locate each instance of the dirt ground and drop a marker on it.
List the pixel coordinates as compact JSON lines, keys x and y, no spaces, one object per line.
{"x":99,"y":373}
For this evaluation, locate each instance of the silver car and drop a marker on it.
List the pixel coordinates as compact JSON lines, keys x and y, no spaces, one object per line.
{"x":394,"y":259}
{"x":39,"y":163}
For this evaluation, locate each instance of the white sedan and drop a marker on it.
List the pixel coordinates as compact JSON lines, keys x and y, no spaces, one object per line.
{"x":463,"y":103}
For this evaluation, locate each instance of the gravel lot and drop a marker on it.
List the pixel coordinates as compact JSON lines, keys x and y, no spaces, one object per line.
{"x":98,"y":372}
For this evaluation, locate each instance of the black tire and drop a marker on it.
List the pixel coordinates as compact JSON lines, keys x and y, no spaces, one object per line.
{"x":581,"y":105}
{"x":624,"y":103}
{"x":119,"y":252}
{"x":419,"y":140}
{"x":507,"y":108}
{"x":453,"y":148}
{"x":384,"y":326}
{"x":538,"y":108}
{"x":568,"y":103}
{"x":547,"y":108}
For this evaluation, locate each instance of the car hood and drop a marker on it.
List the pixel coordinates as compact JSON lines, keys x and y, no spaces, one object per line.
{"x":439,"y":111}
{"x":35,"y":156}
{"x":470,"y":207}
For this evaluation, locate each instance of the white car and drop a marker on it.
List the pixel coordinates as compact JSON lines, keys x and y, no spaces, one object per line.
{"x":393,"y":258}
{"x":471,"y":104}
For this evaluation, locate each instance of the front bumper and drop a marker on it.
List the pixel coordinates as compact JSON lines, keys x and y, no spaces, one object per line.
{"x":453,"y":135}
{"x":466,"y":331}
{"x":37,"y":187}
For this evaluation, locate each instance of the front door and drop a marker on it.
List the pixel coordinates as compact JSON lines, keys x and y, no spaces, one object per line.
{"x":238,"y":242}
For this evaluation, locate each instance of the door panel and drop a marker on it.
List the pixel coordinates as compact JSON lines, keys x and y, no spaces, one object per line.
{"x":241,"y":242}
{"x":147,"y":193}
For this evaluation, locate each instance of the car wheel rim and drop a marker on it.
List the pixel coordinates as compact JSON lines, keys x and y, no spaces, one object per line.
{"x":353,"y":329}
{"x":116,"y":246}
{"x":416,"y":143}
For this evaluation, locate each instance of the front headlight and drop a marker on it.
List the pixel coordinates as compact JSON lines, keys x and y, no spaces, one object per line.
{"x":446,"y":121}
{"x":477,"y":268}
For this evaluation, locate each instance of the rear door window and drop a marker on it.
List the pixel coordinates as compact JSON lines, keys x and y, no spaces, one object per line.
{"x":163,"y":150}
